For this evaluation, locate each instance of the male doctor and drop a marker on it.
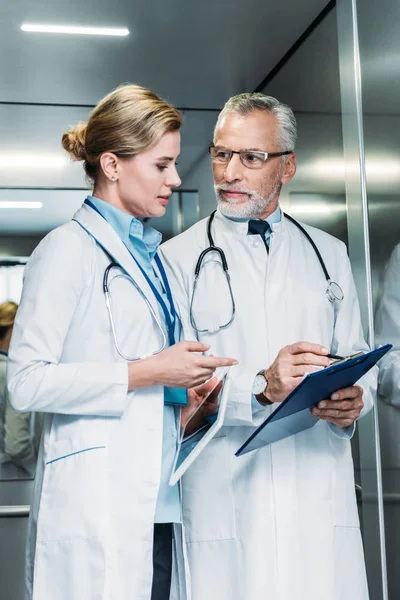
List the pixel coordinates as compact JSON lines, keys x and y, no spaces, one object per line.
{"x":279,"y":523}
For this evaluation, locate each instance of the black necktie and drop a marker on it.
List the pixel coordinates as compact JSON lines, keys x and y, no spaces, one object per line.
{"x":257,"y":227}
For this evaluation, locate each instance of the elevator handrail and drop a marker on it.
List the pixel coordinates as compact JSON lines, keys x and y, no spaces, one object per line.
{"x":19,"y":510}
{"x":22,"y":510}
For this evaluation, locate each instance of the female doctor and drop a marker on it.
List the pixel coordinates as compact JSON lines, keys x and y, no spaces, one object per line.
{"x":94,"y":347}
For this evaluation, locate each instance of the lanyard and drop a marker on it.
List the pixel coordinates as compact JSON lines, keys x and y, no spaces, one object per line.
{"x":170,"y":315}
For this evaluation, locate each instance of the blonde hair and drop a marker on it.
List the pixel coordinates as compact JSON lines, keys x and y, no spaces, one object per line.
{"x":127,"y":121}
{"x":8,"y":310}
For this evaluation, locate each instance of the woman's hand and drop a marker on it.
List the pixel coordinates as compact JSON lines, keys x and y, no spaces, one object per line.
{"x":180,"y":366}
{"x":195,"y":398}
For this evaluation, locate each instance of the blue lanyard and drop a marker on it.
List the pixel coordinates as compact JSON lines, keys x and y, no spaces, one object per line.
{"x":170,"y":322}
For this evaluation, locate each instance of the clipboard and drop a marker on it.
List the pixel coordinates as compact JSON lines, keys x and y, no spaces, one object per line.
{"x":293,"y":414}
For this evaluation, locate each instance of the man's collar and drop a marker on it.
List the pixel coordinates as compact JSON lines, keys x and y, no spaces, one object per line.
{"x":240,"y":226}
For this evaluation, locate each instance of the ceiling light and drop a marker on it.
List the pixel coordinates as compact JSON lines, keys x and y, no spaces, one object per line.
{"x":72,"y":30}
{"x":310,"y":209}
{"x":317,"y":208}
{"x":36,"y":161}
{"x":376,"y":168}
{"x":17,"y":204}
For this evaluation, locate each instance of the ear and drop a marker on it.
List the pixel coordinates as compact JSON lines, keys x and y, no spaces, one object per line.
{"x":109,"y":165}
{"x":289,"y":168}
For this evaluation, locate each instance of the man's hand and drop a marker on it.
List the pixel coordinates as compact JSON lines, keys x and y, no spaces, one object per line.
{"x":290,"y":366}
{"x":343,"y":408}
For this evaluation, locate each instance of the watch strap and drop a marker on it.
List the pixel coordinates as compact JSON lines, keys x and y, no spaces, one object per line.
{"x":261,"y":398}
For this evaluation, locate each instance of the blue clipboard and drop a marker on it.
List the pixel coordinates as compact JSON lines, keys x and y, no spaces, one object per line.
{"x":294,"y":415}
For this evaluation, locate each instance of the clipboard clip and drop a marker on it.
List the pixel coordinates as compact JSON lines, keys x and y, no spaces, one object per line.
{"x":346,"y":358}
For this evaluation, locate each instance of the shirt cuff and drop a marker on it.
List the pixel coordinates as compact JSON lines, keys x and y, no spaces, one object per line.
{"x":255,"y":405}
{"x":344,"y":433}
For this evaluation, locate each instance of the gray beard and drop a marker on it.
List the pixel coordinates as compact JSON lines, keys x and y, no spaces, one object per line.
{"x":254,"y":208}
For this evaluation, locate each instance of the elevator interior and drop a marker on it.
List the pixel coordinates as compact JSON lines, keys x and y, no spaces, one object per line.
{"x":191,"y":55}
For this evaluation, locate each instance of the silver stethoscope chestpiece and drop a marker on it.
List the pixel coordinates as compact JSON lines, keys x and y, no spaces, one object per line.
{"x":334,"y":291}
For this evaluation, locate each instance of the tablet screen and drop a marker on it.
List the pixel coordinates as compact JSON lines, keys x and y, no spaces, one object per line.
{"x":202,"y":424}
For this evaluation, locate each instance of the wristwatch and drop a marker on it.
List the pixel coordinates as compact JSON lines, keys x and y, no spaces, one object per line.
{"x":259,"y":387}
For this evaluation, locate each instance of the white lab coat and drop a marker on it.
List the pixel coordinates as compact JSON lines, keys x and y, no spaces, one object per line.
{"x":280,"y":523}
{"x":388,"y":332}
{"x":91,"y":523}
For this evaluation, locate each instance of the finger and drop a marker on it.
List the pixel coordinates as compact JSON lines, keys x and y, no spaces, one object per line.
{"x":342,"y":423}
{"x":301,"y":347}
{"x":309,"y":358}
{"x":214,"y":362}
{"x":336,"y":414}
{"x":195,"y":346}
{"x":206,"y":387}
{"x":341,"y":404}
{"x":202,"y":377}
{"x":349,"y":392}
{"x":198,"y":379}
{"x":213,"y":397}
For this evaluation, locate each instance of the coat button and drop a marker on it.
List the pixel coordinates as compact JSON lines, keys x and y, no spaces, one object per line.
{"x":254,"y":241}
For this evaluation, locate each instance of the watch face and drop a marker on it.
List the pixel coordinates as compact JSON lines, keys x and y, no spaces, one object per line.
{"x":259,"y":385}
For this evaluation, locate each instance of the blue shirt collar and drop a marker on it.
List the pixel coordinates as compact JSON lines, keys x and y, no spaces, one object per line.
{"x":129,"y":229}
{"x":276,"y":217}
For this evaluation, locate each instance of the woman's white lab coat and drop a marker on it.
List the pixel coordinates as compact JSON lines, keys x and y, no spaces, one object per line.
{"x":91,"y":523}
{"x":279,"y":523}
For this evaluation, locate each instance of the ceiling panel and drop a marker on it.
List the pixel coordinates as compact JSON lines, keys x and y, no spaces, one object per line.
{"x":196,"y":54}
{"x":310,"y":81}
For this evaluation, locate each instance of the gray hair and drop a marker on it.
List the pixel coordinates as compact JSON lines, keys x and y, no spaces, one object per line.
{"x":243,"y":104}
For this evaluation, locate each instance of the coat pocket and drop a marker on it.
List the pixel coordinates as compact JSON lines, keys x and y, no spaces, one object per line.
{"x":73,"y":501}
{"x":207,"y":495}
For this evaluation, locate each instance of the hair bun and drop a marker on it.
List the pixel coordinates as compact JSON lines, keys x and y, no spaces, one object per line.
{"x":8,"y":310}
{"x":73,"y":141}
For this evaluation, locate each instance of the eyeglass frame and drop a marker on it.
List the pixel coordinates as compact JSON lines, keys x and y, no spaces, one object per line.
{"x":267,"y":155}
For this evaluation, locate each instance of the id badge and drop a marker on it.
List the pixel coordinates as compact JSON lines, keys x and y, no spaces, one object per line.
{"x":175,"y":396}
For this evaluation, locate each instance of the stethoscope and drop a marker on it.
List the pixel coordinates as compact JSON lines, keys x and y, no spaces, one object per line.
{"x":333,"y":291}
{"x":170,"y":314}
{"x":107,"y":295}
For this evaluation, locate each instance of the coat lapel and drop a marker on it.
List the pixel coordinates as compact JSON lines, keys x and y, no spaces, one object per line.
{"x":109,"y":240}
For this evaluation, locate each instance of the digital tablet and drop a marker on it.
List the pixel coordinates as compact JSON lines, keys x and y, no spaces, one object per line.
{"x":202,"y":425}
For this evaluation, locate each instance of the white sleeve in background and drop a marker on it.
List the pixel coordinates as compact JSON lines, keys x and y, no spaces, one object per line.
{"x":348,"y":339}
{"x":388,"y":332}
{"x":56,"y":279}
{"x":17,"y":441}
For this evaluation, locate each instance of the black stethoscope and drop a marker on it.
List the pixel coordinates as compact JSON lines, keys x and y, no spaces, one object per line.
{"x":333,"y":291}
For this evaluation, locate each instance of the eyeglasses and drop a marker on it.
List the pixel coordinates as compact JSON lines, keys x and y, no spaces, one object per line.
{"x":252,"y":159}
